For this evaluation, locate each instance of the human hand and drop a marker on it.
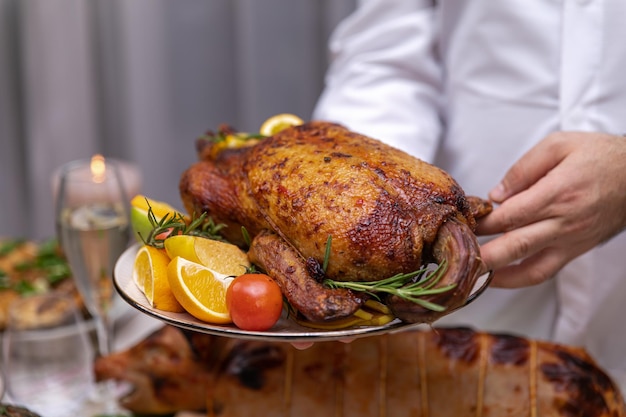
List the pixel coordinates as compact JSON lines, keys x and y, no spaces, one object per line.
{"x":561,"y":199}
{"x":302,"y":345}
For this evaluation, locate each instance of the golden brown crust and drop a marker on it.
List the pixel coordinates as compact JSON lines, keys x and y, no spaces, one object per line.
{"x":457,"y":245}
{"x":381,"y":209}
{"x":380,"y":205}
{"x":317,"y":302}
{"x":167,"y":373}
{"x":463,"y":373}
{"x":479,"y":207}
{"x":219,"y":189}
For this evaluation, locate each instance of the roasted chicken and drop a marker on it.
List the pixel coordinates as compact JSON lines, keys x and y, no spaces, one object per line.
{"x":381,"y":211}
{"x":440,"y":372}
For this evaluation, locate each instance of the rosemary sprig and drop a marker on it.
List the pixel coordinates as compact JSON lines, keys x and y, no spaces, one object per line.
{"x":396,"y":285}
{"x":227,"y":134}
{"x":175,"y":224}
{"x":246,"y":236}
{"x":327,"y":253}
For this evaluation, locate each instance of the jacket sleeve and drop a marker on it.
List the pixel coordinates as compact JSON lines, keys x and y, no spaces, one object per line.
{"x":384,"y":79}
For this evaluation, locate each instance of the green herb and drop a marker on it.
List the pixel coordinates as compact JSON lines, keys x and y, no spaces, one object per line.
{"x":175,"y":224}
{"x":5,"y":283}
{"x":48,"y":249}
{"x":230,"y":135}
{"x":25,"y":288}
{"x":24,"y":266}
{"x":399,"y":285}
{"x":57,"y":272}
{"x":329,"y":241}
{"x":246,"y":236}
{"x":10,"y":245}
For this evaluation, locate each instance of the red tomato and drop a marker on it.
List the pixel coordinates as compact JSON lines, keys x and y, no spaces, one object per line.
{"x":254,"y":301}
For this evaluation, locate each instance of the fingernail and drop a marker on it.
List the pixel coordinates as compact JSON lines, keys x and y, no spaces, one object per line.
{"x":498,"y":193}
{"x":302,"y":345}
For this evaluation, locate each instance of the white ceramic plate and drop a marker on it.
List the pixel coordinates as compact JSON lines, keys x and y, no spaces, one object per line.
{"x":284,"y":330}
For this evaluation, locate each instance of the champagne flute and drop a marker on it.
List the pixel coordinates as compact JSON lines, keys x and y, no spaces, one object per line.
{"x":47,"y":355}
{"x":92,"y":219}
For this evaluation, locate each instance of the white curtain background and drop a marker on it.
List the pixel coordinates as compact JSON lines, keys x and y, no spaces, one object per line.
{"x":140,"y":80}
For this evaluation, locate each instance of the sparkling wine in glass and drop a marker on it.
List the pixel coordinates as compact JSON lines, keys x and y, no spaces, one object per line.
{"x":92,"y":219}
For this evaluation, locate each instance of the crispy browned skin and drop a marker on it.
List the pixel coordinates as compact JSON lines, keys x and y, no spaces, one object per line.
{"x":444,"y":372}
{"x":167,"y":371}
{"x":278,"y":259}
{"x":382,"y":207}
{"x":458,"y":246}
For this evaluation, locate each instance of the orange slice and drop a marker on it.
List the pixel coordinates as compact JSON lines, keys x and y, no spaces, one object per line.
{"x":199,"y":290}
{"x":150,"y":275}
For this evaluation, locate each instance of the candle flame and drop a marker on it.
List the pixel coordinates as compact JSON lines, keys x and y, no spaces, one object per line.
{"x":98,"y":168}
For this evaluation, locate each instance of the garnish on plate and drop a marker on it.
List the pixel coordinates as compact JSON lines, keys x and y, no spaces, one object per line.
{"x":401,"y":286}
{"x":412,"y":286}
{"x":175,"y":223}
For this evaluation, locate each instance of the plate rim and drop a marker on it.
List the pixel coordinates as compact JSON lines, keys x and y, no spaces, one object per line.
{"x":122,"y":277}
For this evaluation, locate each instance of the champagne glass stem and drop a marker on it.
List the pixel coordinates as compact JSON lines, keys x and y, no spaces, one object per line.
{"x":106,"y":389}
{"x":104,"y":331}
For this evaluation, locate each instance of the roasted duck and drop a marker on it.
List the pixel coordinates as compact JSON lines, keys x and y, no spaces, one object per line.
{"x":440,"y":372}
{"x":318,"y":187}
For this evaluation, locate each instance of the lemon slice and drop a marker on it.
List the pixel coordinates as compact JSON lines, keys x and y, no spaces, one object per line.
{"x":150,"y":275}
{"x":222,"y":257}
{"x":199,"y":290}
{"x":276,"y":123}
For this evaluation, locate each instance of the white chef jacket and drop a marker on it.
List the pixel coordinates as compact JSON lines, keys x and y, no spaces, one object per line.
{"x":472,"y":85}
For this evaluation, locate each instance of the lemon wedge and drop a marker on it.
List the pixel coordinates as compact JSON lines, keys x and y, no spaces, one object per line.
{"x":222,"y":257}
{"x":150,"y":275}
{"x":199,"y":290}
{"x":279,"y":122}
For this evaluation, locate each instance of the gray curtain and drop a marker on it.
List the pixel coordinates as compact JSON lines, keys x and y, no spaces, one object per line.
{"x":139,"y":80}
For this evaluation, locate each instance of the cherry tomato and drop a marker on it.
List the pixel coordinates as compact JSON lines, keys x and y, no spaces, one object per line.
{"x":166,"y":233}
{"x":254,"y":301}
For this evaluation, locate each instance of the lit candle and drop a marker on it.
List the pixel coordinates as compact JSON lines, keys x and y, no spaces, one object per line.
{"x":94,"y":172}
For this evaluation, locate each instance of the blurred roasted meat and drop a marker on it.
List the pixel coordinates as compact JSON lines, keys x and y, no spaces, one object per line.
{"x":441,"y":372}
{"x":28,"y":267}
{"x":8,"y":410}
